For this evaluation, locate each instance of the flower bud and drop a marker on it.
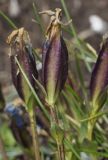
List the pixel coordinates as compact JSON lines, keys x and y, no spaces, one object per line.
{"x":99,"y":78}
{"x":55,"y":59}
{"x":21,"y":49}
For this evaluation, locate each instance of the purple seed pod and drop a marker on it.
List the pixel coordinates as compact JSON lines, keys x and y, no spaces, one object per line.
{"x":55,"y":60}
{"x":21,"y":48}
{"x":99,"y":78}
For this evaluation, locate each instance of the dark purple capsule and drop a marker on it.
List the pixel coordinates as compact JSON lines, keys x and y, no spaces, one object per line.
{"x":21,"y":49}
{"x":99,"y":78}
{"x":55,"y":61}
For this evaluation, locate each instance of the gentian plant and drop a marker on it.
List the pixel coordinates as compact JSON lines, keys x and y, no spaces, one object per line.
{"x":62,"y":114}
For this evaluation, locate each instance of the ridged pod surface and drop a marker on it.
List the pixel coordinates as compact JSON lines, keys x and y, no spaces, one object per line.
{"x":99,"y":78}
{"x":55,"y":61}
{"x":21,"y":48}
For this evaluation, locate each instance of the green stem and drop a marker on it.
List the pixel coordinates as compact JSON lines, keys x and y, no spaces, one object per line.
{"x":2,"y":150}
{"x":34,"y":134}
{"x":55,"y":121}
{"x":92,"y":122}
{"x":61,"y":152}
{"x":90,"y":130}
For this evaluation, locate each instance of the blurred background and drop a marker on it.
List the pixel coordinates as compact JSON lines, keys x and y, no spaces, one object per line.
{"x":89,"y":18}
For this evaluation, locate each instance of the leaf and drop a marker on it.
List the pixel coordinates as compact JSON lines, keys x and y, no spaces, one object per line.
{"x":73,"y":106}
{"x":68,"y":18}
{"x":82,"y":132}
{"x":10,"y":22}
{"x":37,"y":17}
{"x":32,"y":89}
{"x":72,"y":148}
{"x":100,"y":101}
{"x":88,"y":147}
{"x":93,"y":151}
{"x":40,"y":86}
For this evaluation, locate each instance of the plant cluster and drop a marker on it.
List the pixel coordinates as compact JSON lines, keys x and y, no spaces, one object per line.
{"x":61,"y":115}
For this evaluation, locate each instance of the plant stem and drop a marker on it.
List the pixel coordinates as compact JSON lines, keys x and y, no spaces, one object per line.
{"x":34,"y":134}
{"x":55,"y":121}
{"x":2,"y":150}
{"x":61,"y":152}
{"x":90,"y":130}
{"x":91,"y":123}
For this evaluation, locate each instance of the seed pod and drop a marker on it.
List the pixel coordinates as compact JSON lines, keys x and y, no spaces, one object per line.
{"x":21,"y":48}
{"x":99,"y":78}
{"x":55,"y":59}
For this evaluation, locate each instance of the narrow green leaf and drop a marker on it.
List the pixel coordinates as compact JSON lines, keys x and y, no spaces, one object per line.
{"x":40,"y":86}
{"x":10,"y":22}
{"x":75,"y":34}
{"x":72,"y":120}
{"x":37,"y":17}
{"x":68,"y":18}
{"x":80,"y":76}
{"x":71,"y":147}
{"x":73,"y":106}
{"x":32,"y":89}
{"x":95,"y":116}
